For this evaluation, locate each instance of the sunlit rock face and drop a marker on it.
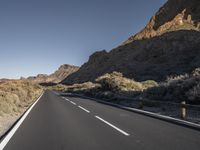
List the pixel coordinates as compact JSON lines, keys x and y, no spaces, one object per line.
{"x":56,"y":77}
{"x":174,"y":15}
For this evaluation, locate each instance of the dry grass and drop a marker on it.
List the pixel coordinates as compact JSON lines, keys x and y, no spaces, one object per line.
{"x":15,"y":95}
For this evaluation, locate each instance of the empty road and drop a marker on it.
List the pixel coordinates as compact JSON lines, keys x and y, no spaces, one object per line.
{"x":74,"y":123}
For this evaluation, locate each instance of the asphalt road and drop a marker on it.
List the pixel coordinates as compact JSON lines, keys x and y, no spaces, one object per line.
{"x":73,"y":123}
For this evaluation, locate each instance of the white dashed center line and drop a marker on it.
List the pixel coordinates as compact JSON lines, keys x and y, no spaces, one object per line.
{"x":73,"y":103}
{"x":84,"y":109}
{"x":116,"y":128}
{"x":106,"y":122}
{"x":67,"y":100}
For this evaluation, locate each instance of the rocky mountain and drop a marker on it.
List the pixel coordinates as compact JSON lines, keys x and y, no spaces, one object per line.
{"x":169,"y":45}
{"x":57,"y":76}
{"x":173,"y":16}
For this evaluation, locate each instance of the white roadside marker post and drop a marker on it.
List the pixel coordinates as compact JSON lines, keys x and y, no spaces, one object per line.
{"x":183,"y":110}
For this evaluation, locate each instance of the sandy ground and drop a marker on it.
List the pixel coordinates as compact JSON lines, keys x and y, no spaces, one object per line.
{"x":6,"y":122}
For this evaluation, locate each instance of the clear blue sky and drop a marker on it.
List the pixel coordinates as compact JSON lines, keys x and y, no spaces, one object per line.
{"x":37,"y":36}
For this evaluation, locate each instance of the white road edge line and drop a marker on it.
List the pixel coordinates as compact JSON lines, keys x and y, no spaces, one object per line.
{"x":14,"y":129}
{"x":116,"y":128}
{"x":73,"y":103}
{"x":84,"y":109}
{"x":67,"y":99}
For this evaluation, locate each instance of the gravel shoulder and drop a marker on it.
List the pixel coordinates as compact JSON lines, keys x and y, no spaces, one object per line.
{"x":6,"y":122}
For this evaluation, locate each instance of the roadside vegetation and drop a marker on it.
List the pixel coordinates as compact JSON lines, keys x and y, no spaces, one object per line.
{"x":72,"y":88}
{"x":108,"y":86}
{"x":178,"y":88}
{"x":163,"y":98}
{"x":114,"y":86}
{"x":16,"y":95}
{"x":116,"y":82}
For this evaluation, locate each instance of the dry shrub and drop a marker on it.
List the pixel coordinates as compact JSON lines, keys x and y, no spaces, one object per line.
{"x":83,"y":86}
{"x":149,"y":84}
{"x":196,"y":72}
{"x":116,"y":82}
{"x":15,"y":95}
{"x":179,"y":88}
{"x":74,"y":87}
{"x":57,"y":87}
{"x":194,"y":93}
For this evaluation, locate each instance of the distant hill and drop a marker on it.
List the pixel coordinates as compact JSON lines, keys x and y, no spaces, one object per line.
{"x":2,"y":80}
{"x":168,"y":45}
{"x":56,"y":77}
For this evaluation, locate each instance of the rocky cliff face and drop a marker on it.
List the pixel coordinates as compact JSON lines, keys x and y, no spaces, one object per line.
{"x":173,"y":16}
{"x":169,"y":45}
{"x":56,"y":77}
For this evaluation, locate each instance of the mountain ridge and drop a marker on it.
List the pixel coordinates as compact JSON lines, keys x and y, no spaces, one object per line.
{"x":174,"y":15}
{"x":167,"y":46}
{"x":56,"y":77}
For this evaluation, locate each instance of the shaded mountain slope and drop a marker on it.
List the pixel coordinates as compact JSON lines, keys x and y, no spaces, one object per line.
{"x":169,"y":45}
{"x":171,"y":54}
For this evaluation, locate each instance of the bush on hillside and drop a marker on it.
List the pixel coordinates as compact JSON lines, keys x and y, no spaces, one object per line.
{"x":15,"y":95}
{"x":194,"y":94}
{"x":180,"y":88}
{"x":116,"y":82}
{"x":57,"y":87}
{"x":83,"y":86}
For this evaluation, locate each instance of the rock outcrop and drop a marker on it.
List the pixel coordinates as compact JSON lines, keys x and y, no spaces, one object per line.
{"x":174,"y":15}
